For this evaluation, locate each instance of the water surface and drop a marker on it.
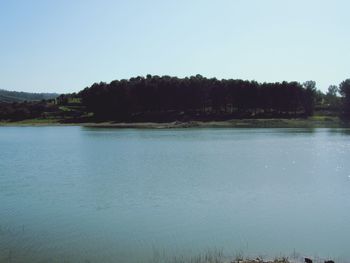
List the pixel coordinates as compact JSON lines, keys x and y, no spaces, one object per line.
{"x":106,"y":195}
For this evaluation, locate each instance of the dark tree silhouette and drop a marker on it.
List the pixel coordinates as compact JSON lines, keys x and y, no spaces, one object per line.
{"x":344,"y":89}
{"x":310,"y":95}
{"x":166,"y":98}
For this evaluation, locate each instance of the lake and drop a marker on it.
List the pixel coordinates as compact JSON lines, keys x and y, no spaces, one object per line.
{"x":75,"y":194}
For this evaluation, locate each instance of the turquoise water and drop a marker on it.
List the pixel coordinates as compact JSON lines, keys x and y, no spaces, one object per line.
{"x":74,"y":194}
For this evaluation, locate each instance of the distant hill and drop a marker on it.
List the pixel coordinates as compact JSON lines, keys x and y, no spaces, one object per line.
{"x":18,"y":96}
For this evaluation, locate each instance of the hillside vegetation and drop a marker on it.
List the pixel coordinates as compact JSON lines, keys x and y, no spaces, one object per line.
{"x":17,"y":96}
{"x":165,"y":99}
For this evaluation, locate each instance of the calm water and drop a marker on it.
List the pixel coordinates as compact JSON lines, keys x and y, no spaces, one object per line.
{"x":102,"y":195}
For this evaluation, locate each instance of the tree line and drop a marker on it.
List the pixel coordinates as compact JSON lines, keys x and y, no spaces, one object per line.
{"x":165,"y":98}
{"x":197,"y":97}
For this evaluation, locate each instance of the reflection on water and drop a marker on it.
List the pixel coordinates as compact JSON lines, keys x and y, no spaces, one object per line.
{"x":108,"y":195}
{"x":339,"y":131}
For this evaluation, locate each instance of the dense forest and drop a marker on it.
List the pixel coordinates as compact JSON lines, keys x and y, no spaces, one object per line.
{"x":155,"y":98}
{"x":165,"y":98}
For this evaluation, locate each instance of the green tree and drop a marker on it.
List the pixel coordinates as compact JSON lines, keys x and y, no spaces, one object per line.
{"x":332,"y":99}
{"x":332,"y":90}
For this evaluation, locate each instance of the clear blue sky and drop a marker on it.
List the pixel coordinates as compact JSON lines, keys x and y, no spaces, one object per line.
{"x":66,"y":45}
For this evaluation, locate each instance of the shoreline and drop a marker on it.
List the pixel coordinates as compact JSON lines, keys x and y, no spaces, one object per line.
{"x":311,"y":122}
{"x":235,"y":123}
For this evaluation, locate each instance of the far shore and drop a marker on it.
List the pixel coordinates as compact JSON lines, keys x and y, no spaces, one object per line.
{"x":311,"y":122}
